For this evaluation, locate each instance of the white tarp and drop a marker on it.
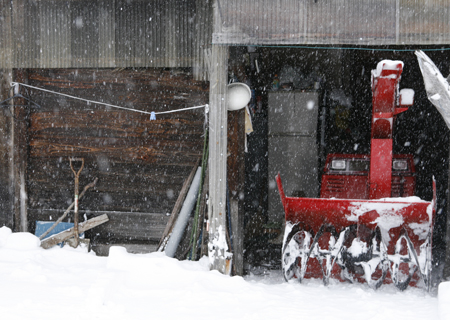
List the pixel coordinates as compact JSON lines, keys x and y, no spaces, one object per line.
{"x":436,"y":86}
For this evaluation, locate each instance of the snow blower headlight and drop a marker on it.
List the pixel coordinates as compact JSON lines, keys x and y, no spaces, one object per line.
{"x":400,"y":165}
{"x":338,"y":164}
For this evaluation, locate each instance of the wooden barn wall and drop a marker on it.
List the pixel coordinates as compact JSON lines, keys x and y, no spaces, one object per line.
{"x":140,"y":164}
{"x":6,"y":194}
{"x":356,"y":22}
{"x":105,"y":34}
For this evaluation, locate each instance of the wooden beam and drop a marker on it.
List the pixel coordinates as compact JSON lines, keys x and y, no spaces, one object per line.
{"x":218,"y":249}
{"x":67,"y":234}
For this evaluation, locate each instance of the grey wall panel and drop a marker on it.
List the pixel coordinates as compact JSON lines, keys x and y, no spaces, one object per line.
{"x":295,"y":158}
{"x":292,"y":147}
{"x":84,"y":33}
{"x":106,"y":34}
{"x":55,"y":35}
{"x":5,"y":34}
{"x":293,"y":112}
{"x":424,"y":21}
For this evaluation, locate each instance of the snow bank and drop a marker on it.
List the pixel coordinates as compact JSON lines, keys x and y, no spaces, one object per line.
{"x":66,"y":283}
{"x":4,"y":234}
{"x":18,"y":241}
{"x":444,"y":300}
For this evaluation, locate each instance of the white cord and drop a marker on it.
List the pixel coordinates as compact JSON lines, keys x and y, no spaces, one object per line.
{"x":16,"y":84}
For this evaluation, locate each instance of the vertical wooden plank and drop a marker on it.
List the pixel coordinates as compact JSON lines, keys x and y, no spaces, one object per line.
{"x":20,"y":156}
{"x":236,"y":180}
{"x":18,"y":30}
{"x":6,"y":164}
{"x":6,"y":56}
{"x":217,"y":246}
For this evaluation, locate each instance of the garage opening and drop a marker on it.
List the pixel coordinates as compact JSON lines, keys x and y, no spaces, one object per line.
{"x":337,"y":84}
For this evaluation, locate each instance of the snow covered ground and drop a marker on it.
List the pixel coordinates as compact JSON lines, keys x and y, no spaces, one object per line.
{"x":66,"y":283}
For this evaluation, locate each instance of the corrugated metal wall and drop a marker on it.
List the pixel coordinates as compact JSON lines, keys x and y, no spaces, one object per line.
{"x":358,"y":22}
{"x":5,"y":34}
{"x":161,"y":33}
{"x":105,"y":33}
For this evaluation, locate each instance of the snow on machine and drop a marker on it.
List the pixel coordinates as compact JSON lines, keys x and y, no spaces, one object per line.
{"x":367,"y":224}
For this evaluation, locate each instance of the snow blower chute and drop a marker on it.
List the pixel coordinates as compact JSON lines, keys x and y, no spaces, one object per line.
{"x":367,"y":224}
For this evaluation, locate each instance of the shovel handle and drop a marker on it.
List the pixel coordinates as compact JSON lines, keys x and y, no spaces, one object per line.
{"x":76,"y":173}
{"x":77,"y":176}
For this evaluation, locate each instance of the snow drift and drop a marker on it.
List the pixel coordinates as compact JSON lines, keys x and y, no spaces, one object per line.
{"x":67,"y":283}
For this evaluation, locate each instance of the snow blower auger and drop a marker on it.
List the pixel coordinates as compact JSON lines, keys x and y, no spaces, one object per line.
{"x":367,"y":224}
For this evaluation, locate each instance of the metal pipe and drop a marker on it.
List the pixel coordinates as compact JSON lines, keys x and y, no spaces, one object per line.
{"x":183,"y":217}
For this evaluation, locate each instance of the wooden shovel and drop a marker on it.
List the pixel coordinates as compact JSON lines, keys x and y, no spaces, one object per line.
{"x":77,"y":176}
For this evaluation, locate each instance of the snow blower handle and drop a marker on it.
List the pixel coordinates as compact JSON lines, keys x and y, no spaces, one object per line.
{"x":77,"y":177}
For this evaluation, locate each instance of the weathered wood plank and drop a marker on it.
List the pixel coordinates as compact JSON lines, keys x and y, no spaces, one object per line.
{"x":217,"y":157}
{"x":130,"y":226}
{"x":128,"y":88}
{"x":65,"y":235}
{"x":111,"y":200}
{"x":165,"y":151}
{"x":105,"y":123}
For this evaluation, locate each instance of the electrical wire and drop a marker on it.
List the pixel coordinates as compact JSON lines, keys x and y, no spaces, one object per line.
{"x":152,"y":113}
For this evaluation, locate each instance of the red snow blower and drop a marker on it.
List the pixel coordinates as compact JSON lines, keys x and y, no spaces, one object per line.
{"x":367,"y":224}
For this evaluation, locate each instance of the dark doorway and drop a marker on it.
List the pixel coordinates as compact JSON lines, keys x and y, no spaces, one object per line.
{"x":343,"y":78}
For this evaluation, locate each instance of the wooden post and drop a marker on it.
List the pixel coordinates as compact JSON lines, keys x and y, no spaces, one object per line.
{"x":217,"y":247}
{"x":6,"y":163}
{"x":446,"y":270}
{"x":236,"y":180}
{"x":20,"y":121}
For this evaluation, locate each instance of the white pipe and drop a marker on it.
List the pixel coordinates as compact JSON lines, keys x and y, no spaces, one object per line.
{"x":183,"y":217}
